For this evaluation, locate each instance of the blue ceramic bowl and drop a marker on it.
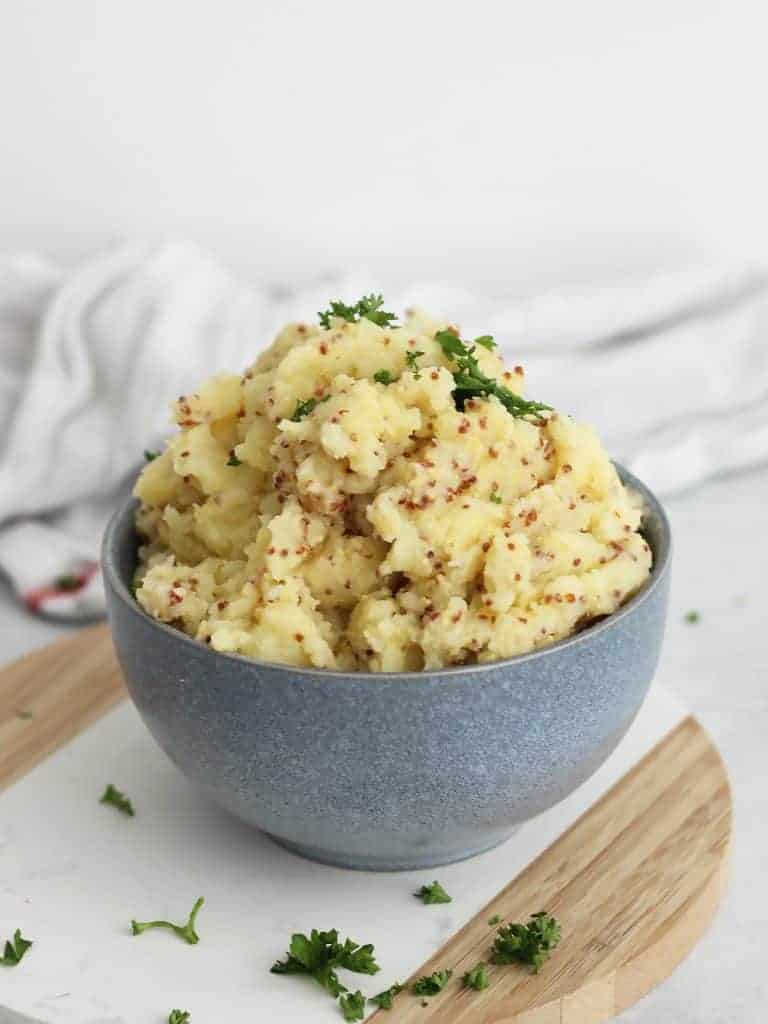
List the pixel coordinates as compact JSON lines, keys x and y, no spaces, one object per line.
{"x":393,"y":770}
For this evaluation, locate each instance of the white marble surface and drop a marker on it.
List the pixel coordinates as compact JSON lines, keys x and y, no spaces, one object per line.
{"x":719,"y":668}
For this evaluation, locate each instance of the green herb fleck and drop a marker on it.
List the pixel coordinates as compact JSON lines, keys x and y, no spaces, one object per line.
{"x":693,"y":617}
{"x":496,"y":498}
{"x":149,"y":456}
{"x":320,"y":954}
{"x":233,"y":459}
{"x":530,"y":943}
{"x":496,"y":919}
{"x":410,"y":360}
{"x":112,"y":795}
{"x":425,"y":1002}
{"x":305,"y":408}
{"x":477,"y":978}
{"x":471,"y":382}
{"x":384,"y":999}
{"x":67,"y":583}
{"x":24,"y":714}
{"x":15,"y":949}
{"x":433,"y":893}
{"x":353,"y":1006}
{"x":178,"y":1017}
{"x":486,"y":340}
{"x":368,"y":308}
{"x":384,"y":377}
{"x":185,"y":931}
{"x":431,"y":984}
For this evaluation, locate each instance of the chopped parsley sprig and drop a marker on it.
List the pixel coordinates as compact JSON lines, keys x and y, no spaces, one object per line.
{"x":113,"y":796}
{"x":320,"y":954}
{"x":471,"y":382}
{"x":433,"y":893}
{"x":530,"y":943}
{"x":184,"y":931}
{"x":305,"y":408}
{"x":431,"y":984}
{"x":15,"y":949}
{"x":477,"y":978}
{"x":178,"y":1017}
{"x":367,"y":308}
{"x":385,"y":999}
{"x":352,"y":1005}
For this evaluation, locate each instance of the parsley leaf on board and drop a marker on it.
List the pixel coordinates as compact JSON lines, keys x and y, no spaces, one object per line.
{"x":433,"y":893}
{"x":353,"y":1006}
{"x":431,"y":984}
{"x":471,"y":382}
{"x":530,"y":943}
{"x":384,"y":999}
{"x":477,"y":978}
{"x":321,"y":953}
{"x":178,"y":1017}
{"x":305,"y":408}
{"x":184,"y":931}
{"x":15,"y":949}
{"x":496,"y":919}
{"x":384,"y":377}
{"x":368,"y":308}
{"x":113,"y":796}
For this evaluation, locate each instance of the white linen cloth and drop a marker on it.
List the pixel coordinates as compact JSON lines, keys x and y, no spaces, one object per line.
{"x":673,"y":372}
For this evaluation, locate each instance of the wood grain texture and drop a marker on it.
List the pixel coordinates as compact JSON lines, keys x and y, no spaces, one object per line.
{"x":634,"y":882}
{"x":51,"y":695}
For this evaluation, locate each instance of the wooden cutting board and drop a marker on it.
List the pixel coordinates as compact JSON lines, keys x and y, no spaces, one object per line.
{"x":633,"y":867}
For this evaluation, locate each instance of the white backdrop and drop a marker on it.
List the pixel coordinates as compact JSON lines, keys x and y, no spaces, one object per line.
{"x":512,"y":141}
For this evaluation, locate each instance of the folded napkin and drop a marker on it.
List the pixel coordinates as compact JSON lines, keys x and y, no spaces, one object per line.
{"x":672,"y":371}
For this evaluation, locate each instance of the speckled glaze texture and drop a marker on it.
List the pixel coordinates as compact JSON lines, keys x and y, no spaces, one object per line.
{"x":389,"y":771}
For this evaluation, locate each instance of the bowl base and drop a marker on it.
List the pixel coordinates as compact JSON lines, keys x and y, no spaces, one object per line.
{"x":410,"y":861}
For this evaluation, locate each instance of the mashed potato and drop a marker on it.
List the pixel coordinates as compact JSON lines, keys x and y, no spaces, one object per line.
{"x":343,"y":504}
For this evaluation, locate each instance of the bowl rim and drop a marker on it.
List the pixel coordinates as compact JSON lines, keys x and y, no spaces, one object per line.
{"x":662,"y":554}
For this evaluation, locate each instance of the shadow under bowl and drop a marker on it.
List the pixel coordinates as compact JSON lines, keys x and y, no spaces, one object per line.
{"x":389,"y":771}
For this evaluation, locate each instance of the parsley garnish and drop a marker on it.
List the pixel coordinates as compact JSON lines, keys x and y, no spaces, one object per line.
{"x":178,"y":1017}
{"x":486,"y":340}
{"x":233,"y":459}
{"x":113,"y":796}
{"x":496,"y":919}
{"x":368,"y":308}
{"x":433,"y":893}
{"x":353,"y":1006}
{"x":305,"y":408}
{"x":14,"y":950}
{"x":471,"y":382}
{"x":384,"y":377}
{"x":384,"y":999}
{"x":67,"y":583}
{"x":320,"y":954}
{"x":185,"y":931}
{"x":693,"y":617}
{"x":496,"y":497}
{"x":477,"y":978}
{"x":431,"y":984}
{"x":149,"y":456}
{"x":410,"y":361}
{"x":530,"y":943}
